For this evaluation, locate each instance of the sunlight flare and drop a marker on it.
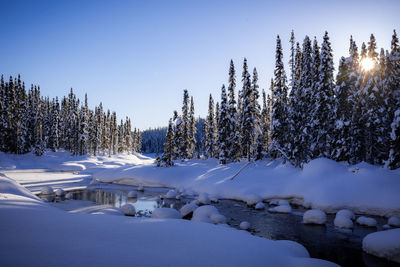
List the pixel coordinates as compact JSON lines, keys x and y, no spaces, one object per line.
{"x":367,"y":64}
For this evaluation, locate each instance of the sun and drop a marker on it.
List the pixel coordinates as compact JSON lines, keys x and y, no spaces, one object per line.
{"x":367,"y":64}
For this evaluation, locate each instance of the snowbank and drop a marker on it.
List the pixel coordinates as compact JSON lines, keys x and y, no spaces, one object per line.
{"x":165,"y":213}
{"x":384,"y":244}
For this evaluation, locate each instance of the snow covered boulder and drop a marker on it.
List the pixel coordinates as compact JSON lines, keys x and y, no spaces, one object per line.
{"x":260,"y":206}
{"x":59,"y":192}
{"x":204,"y":199}
{"x":47,"y":190}
{"x":394,"y":221}
{"x":366,"y":221}
{"x":195,"y":202}
{"x":128,"y":209}
{"x":166,"y":213}
{"x":132,"y":194}
{"x":383,"y":244}
{"x":208,"y":214}
{"x":140,"y":188}
{"x":187,"y":211}
{"x":178,"y":197}
{"x":69,"y":196}
{"x":171,"y":194}
{"x":343,"y":221}
{"x":346,"y":213}
{"x":252,"y":200}
{"x":314,"y":217}
{"x":244,"y":225}
{"x":281,"y":209}
{"x":278,"y":202}
{"x":214,"y":199}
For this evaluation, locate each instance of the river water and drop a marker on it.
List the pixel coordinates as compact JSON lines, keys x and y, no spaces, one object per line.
{"x":324,"y":242}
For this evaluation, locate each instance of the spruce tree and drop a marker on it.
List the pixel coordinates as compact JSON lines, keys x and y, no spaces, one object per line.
{"x":223,"y":130}
{"x":209,"y":134}
{"x":168,"y":154}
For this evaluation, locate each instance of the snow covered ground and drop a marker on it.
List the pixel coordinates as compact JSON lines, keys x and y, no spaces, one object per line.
{"x":322,"y":184}
{"x":34,"y":233}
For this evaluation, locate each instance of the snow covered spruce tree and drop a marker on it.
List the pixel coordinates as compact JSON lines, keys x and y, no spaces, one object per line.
{"x":279,"y":116}
{"x":223,"y":130}
{"x":169,"y":150}
{"x":209,"y":137}
{"x":191,"y":131}
{"x":324,"y":103}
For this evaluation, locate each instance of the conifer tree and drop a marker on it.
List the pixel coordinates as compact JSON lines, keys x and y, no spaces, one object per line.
{"x":223,"y":130}
{"x":209,"y":134}
{"x":168,"y":154}
{"x":192,"y":131}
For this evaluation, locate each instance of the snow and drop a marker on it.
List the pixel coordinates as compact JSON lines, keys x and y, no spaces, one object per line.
{"x":394,"y":221}
{"x":165,"y":213}
{"x":171,"y":194}
{"x":140,"y":188}
{"x":69,"y":196}
{"x":346,"y":213}
{"x":128,"y":209}
{"x":314,"y":217}
{"x":187,"y":209}
{"x":383,"y":244}
{"x":260,"y":206}
{"x":47,"y":190}
{"x":278,"y":202}
{"x":132,"y":194}
{"x":244,"y":225}
{"x":366,"y":221}
{"x":104,"y":240}
{"x":322,"y":183}
{"x":218,"y":219}
{"x":343,"y":221}
{"x":208,"y":214}
{"x":281,"y":209}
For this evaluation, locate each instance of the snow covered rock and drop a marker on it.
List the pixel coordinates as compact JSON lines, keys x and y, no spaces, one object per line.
{"x":383,"y":244}
{"x":140,"y":188}
{"x":366,"y":221}
{"x":166,"y":213}
{"x":204,"y":199}
{"x":252,"y":200}
{"x":187,"y":210}
{"x":260,"y":206}
{"x":207,"y":214}
{"x":386,"y":227}
{"x":214,"y":199}
{"x":394,"y":221}
{"x":69,"y":196}
{"x":47,"y":190}
{"x":178,"y":197}
{"x":281,"y":209}
{"x":128,"y":209}
{"x":244,"y":225}
{"x":132,"y":194}
{"x":314,"y":217}
{"x":343,"y":221}
{"x":171,"y":194}
{"x":195,"y":202}
{"x":279,"y":202}
{"x":218,"y":219}
{"x":346,"y":213}
{"x":59,"y":192}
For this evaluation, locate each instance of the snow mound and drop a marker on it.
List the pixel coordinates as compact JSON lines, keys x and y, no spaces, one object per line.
{"x":178,"y":197}
{"x":207,"y":214}
{"x":128,"y":209}
{"x":281,"y":209}
{"x":195,"y":202}
{"x":214,"y":199}
{"x":346,"y":213}
{"x":366,"y":221}
{"x":394,"y":221}
{"x":204,"y":199}
{"x":47,"y":190}
{"x":253,"y":200}
{"x":187,"y":209}
{"x":59,"y":192}
{"x":166,"y":213}
{"x":218,"y":219}
{"x":383,"y":244}
{"x":140,"y":188}
{"x":279,"y":202}
{"x":343,"y":221}
{"x":171,"y":194}
{"x":69,"y":196}
{"x":132,"y":194}
{"x":244,"y":225}
{"x":260,"y":206}
{"x":314,"y":217}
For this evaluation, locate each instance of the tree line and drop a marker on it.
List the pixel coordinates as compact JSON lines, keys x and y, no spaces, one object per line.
{"x":353,"y":118}
{"x":31,"y":122}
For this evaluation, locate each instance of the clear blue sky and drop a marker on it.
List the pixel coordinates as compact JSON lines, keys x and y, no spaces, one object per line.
{"x":138,"y":56}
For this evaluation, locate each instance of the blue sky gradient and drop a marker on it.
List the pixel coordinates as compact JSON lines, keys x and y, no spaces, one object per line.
{"x":138,"y":56}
